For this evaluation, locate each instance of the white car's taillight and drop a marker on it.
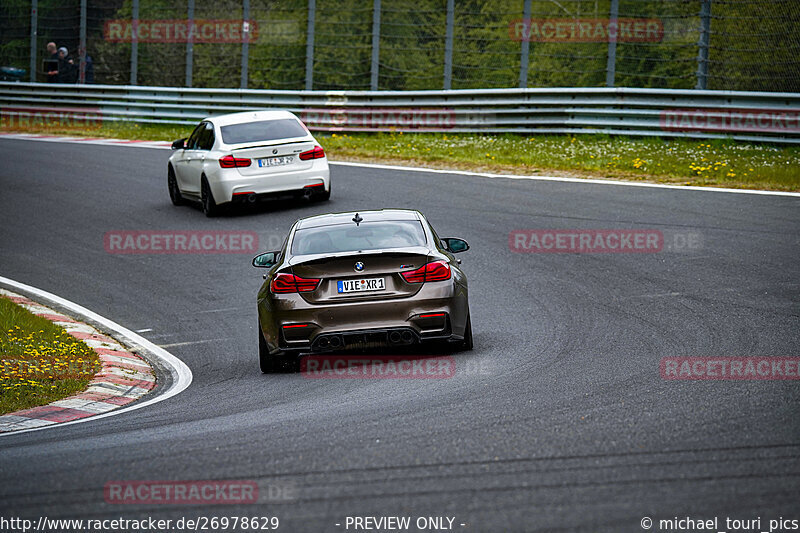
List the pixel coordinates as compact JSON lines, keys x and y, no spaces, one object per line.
{"x":232,"y":162}
{"x":315,"y":153}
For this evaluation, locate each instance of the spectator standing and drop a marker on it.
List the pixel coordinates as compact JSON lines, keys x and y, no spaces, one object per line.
{"x":89,"y":72}
{"x":67,"y":69}
{"x":51,"y":63}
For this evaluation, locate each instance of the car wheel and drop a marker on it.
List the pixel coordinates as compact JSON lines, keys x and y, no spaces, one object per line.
{"x":207,"y":198}
{"x":172,"y":184}
{"x":269,"y":363}
{"x":466,"y":344}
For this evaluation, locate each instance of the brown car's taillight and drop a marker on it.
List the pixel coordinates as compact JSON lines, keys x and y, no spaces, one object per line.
{"x":434,"y":271}
{"x":285,"y":283}
{"x":315,"y":153}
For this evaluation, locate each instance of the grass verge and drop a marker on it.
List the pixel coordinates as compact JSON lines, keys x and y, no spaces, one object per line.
{"x":39,"y":362}
{"x":714,"y":163}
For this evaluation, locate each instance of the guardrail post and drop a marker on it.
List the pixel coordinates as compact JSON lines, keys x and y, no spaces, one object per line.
{"x":34,"y":31}
{"x":526,"y":46}
{"x":134,"y":41}
{"x":376,"y":43}
{"x":702,"y":44}
{"x":189,"y":44}
{"x":448,"y":46}
{"x":245,"y":42}
{"x":611,"y":65}
{"x":312,"y":15}
{"x":82,"y":45}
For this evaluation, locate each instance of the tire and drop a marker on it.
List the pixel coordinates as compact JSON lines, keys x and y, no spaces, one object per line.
{"x":466,"y":344}
{"x":324,"y":196}
{"x":269,"y":363}
{"x":210,"y":207}
{"x":172,"y":185}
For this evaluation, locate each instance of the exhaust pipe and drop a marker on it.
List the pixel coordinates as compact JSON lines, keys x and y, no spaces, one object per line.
{"x":251,"y":198}
{"x":407,"y":337}
{"x":307,"y":193}
{"x":336,"y":342}
{"x":395,"y":337}
{"x":323,"y":342}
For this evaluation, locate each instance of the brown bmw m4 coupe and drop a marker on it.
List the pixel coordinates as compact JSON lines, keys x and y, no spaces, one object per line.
{"x":371,"y":279}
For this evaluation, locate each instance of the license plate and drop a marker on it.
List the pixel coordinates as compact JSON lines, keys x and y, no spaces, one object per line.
{"x":361,"y":285}
{"x":276,"y":161}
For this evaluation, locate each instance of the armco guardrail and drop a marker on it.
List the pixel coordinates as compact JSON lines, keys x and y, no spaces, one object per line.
{"x":748,"y":116}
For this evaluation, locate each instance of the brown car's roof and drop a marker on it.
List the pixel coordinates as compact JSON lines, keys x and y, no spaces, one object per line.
{"x":367,"y":216}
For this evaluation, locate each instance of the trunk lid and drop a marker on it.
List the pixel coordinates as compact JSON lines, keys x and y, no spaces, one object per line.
{"x":270,"y":158}
{"x":382,"y":265}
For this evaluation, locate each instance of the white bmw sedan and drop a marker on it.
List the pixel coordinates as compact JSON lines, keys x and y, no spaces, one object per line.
{"x":244,"y":157}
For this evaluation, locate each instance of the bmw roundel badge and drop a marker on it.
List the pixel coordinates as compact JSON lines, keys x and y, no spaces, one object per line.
{"x":359,"y":266}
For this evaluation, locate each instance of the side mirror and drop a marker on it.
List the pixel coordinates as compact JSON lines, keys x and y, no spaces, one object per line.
{"x":180,"y":144}
{"x":455,"y":246}
{"x":266,"y":260}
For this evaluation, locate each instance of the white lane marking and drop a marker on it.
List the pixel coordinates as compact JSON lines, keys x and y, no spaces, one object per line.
{"x":92,"y":406}
{"x":145,"y":330}
{"x":117,"y":389}
{"x":35,"y":309}
{"x":181,"y":374}
{"x":94,"y":343}
{"x":81,"y":328}
{"x":594,"y":181}
{"x":12,"y":422}
{"x":127,"y":373}
{"x":187,"y":343}
{"x":220,"y":310}
{"x":124,"y":360}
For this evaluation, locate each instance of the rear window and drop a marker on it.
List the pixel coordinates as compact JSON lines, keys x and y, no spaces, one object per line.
{"x":351,"y":238}
{"x":263,"y":130}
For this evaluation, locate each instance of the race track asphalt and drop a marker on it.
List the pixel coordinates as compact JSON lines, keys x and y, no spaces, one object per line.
{"x":558,"y":420}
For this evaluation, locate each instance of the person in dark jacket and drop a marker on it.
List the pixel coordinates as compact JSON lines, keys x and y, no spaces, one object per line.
{"x":67,"y":69}
{"x":89,"y":72}
{"x":51,"y":63}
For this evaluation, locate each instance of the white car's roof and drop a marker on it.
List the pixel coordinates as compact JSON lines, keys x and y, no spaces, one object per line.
{"x":249,"y":116}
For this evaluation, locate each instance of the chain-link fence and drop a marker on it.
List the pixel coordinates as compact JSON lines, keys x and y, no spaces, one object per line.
{"x":398,"y":45}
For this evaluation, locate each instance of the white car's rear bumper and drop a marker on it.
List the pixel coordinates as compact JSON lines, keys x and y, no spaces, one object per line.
{"x":229,"y":182}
